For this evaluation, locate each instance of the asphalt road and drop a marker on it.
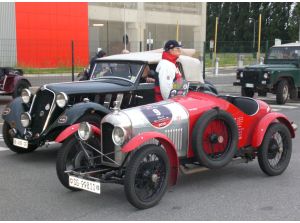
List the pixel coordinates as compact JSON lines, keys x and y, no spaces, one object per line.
{"x":30,"y":190}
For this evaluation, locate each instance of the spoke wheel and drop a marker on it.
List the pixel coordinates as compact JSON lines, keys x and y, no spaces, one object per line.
{"x":72,"y":157}
{"x":146,"y":177}
{"x":275,"y":152}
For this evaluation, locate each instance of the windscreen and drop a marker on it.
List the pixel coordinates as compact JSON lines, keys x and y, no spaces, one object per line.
{"x":284,"y":53}
{"x":123,"y":70}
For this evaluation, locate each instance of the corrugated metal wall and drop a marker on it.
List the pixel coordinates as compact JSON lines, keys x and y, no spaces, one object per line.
{"x":8,"y":48}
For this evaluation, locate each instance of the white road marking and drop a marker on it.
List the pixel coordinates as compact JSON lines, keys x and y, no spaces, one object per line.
{"x":276,"y":109}
{"x":3,"y":149}
{"x":284,"y":106}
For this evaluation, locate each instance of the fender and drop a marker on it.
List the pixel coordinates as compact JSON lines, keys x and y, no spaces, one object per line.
{"x":74,"y":113}
{"x":71,"y":130}
{"x":15,"y":108}
{"x":263,"y":125}
{"x":165,"y":141}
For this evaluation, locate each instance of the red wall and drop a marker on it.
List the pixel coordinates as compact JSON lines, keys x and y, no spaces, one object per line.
{"x":45,"y":30}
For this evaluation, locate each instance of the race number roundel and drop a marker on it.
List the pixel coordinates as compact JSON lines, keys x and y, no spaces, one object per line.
{"x":159,"y":116}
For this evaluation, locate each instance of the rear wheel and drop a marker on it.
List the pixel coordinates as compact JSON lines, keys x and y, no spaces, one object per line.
{"x":8,"y":139}
{"x":215,"y":138}
{"x":247,"y":92}
{"x":275,"y":152}
{"x":22,"y":84}
{"x":146,"y":177}
{"x":282,"y":92}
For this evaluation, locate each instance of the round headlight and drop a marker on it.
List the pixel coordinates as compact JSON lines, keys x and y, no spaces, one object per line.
{"x":241,"y":75}
{"x":25,"y":119}
{"x":25,"y":95}
{"x":266,"y":75}
{"x":61,"y":99}
{"x":84,"y":131}
{"x":118,"y":136}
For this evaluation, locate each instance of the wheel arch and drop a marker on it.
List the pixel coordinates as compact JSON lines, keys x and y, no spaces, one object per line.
{"x":265,"y":122}
{"x":167,"y":144}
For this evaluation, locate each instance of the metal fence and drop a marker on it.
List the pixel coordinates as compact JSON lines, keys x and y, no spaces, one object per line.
{"x":48,"y":64}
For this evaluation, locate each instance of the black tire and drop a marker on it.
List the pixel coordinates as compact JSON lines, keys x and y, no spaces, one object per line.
{"x":142,"y":174}
{"x":270,"y":148}
{"x":8,"y":140}
{"x":19,"y":87}
{"x":282,"y":92}
{"x":215,"y":138}
{"x":71,"y":143}
{"x":247,"y":92}
{"x":293,"y":93}
{"x":71,"y":156}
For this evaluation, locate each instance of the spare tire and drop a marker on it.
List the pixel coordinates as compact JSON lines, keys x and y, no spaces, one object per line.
{"x":215,"y":138}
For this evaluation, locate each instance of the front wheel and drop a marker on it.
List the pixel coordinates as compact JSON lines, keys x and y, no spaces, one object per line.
{"x":8,"y":139}
{"x":146,"y":177}
{"x":275,"y":152}
{"x":72,"y":157}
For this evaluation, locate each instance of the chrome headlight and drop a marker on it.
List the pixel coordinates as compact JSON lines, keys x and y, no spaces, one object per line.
{"x":61,"y":99}
{"x":25,"y":119}
{"x":241,"y":75}
{"x":84,"y":131}
{"x":266,"y":75}
{"x":118,"y":135}
{"x":26,"y":95}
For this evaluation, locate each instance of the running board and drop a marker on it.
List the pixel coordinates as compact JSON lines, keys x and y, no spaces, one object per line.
{"x":198,"y":169}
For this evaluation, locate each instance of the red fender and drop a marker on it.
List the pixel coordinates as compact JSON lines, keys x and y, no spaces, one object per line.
{"x":263,"y":125}
{"x":167,"y":144}
{"x":71,"y":130}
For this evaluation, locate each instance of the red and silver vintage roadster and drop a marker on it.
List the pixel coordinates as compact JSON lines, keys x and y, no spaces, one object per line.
{"x":144,"y":147}
{"x":12,"y":81}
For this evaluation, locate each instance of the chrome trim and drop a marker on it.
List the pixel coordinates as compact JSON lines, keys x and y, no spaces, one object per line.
{"x":51,"y":109}
{"x":4,"y":81}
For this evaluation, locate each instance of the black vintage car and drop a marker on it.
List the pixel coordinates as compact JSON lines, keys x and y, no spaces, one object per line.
{"x":31,"y":121}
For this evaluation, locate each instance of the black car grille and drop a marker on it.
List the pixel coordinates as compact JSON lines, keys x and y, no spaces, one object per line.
{"x":40,"y":110}
{"x":108,"y":146}
{"x":250,"y":77}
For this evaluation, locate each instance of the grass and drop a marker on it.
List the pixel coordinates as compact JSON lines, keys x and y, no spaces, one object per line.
{"x":59,"y":70}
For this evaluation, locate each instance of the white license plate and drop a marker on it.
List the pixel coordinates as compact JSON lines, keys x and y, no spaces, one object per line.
{"x":83,"y":184}
{"x":20,"y":143}
{"x":249,"y":85}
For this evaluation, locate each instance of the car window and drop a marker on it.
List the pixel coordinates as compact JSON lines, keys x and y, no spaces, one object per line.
{"x":284,"y":53}
{"x":123,"y":70}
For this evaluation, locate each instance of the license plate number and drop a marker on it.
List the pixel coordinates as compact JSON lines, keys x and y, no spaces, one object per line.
{"x":83,"y":184}
{"x":250,"y":85}
{"x":20,"y":143}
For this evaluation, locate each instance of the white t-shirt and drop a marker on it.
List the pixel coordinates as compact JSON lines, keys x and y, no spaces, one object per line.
{"x":166,"y":74}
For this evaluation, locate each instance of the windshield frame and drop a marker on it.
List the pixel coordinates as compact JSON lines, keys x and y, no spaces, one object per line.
{"x":129,"y":62}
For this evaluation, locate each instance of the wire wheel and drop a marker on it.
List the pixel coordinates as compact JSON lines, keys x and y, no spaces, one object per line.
{"x":146,"y":177}
{"x":72,"y":157}
{"x":275,"y":152}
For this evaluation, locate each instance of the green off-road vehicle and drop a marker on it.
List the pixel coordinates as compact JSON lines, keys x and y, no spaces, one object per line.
{"x":280,"y":74}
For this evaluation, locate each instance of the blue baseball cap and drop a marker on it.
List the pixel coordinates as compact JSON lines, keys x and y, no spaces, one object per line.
{"x":171,"y":44}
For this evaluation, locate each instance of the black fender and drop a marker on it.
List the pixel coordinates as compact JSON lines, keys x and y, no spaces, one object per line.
{"x":12,"y":113}
{"x":72,"y":114}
